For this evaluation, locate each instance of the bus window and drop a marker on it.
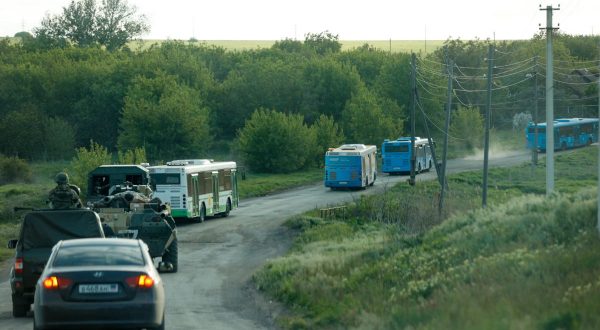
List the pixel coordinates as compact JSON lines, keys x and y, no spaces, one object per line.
{"x":396,"y":148}
{"x":166,"y":178}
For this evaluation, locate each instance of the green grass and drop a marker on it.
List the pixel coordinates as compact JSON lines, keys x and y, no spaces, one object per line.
{"x":526,"y":261}
{"x":257,"y":184}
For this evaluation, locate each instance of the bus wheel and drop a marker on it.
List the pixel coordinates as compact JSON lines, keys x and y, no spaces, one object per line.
{"x":589,"y":141}
{"x":227,"y":209}
{"x":419,"y":168}
{"x":563,"y":146}
{"x":430,"y":166}
{"x":374,"y":178}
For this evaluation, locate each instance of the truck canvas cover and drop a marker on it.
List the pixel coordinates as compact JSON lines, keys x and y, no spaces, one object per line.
{"x":43,"y":229}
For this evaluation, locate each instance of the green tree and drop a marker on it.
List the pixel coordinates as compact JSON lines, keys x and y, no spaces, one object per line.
{"x":323,"y":43}
{"x":369,"y":118}
{"x":467,"y":128}
{"x":85,"y":161}
{"x":164,"y":117}
{"x":328,"y":135}
{"x":84,"y":24}
{"x":276,"y":142}
{"x":132,"y":156}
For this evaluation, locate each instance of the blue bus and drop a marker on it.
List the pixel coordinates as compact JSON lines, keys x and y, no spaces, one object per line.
{"x":568,"y":133}
{"x":396,"y":155}
{"x":350,"y":166}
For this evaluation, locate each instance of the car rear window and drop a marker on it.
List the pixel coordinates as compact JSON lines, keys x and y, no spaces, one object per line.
{"x":99,"y":255}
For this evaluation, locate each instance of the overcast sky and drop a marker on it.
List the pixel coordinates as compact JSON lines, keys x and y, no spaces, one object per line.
{"x":350,"y":19}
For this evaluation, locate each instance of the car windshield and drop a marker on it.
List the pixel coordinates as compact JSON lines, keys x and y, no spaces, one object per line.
{"x":99,"y":255}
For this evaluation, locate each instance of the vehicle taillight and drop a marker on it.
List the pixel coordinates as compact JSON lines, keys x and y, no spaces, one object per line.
{"x":54,"y":282}
{"x":19,"y":266}
{"x":142,"y":281}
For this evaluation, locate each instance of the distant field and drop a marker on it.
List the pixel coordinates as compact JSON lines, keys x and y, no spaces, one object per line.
{"x":396,"y":46}
{"x":393,"y":45}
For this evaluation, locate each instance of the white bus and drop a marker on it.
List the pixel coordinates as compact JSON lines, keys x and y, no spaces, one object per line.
{"x":196,"y":188}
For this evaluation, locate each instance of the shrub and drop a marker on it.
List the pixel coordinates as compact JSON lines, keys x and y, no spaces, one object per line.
{"x":276,"y":142}
{"x":328,"y":134}
{"x":87,"y":160}
{"x":13,"y":169}
{"x":467,"y":127}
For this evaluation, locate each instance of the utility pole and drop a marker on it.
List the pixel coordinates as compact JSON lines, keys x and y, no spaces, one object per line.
{"x":432,"y":146}
{"x":598,"y":142}
{"x":450,"y":64}
{"x":413,"y":99}
{"x":488,"y":111}
{"x":535,"y":148}
{"x":549,"y":101}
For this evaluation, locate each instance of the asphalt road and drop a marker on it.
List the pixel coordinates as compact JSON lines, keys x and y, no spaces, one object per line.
{"x":213,"y":288}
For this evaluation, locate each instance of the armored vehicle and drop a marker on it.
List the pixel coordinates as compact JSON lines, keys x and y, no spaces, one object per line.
{"x":129,"y":211}
{"x":104,"y":177}
{"x":40,"y":231}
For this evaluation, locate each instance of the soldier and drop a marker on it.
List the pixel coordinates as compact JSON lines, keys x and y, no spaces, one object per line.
{"x":64,"y":195}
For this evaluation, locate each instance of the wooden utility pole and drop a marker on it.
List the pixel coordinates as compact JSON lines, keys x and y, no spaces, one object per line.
{"x":413,"y":99}
{"x":488,"y":112}
{"x":450,"y":64}
{"x":549,"y":102}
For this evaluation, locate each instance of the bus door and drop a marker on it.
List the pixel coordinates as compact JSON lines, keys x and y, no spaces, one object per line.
{"x":234,"y":188}
{"x":215,"y":186}
{"x":195,"y":190}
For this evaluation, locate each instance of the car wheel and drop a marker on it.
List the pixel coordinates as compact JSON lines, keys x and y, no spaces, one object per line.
{"x":171,"y":255}
{"x":19,"y":307}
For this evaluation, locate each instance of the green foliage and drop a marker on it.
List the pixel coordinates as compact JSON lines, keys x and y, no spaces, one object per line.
{"x":328,"y":134}
{"x":276,"y":142}
{"x":85,"y":24}
{"x":31,"y":134}
{"x":529,"y":261}
{"x":369,"y":118}
{"x":87,"y":160}
{"x":261,"y":184}
{"x":466,"y":128}
{"x":323,"y":43}
{"x":165,"y":118}
{"x":13,"y":169}
{"x":135,"y":156}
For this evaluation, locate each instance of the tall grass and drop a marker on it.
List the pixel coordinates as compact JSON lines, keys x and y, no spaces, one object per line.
{"x":526,"y":261}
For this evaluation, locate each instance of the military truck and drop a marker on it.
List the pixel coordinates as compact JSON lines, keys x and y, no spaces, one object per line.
{"x":128,"y":210}
{"x":101,"y":179}
{"x":40,"y":231}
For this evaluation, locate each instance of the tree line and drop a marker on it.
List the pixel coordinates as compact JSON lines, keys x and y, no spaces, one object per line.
{"x":184,"y":99}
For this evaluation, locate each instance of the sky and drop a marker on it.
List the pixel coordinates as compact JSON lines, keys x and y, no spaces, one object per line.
{"x":349,"y":19}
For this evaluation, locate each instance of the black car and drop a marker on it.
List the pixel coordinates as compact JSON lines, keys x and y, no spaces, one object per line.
{"x":99,"y":283}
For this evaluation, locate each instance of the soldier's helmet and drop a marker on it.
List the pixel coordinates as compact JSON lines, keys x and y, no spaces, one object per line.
{"x":62,"y":178}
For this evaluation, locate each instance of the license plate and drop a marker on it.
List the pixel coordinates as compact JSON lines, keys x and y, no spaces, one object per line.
{"x":98,"y":288}
{"x":343,"y":182}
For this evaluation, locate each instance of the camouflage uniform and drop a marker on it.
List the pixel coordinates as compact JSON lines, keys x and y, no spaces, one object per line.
{"x":64,"y":195}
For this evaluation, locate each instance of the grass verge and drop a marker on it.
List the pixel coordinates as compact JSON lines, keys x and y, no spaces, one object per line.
{"x":263,"y":184}
{"x":526,"y":261}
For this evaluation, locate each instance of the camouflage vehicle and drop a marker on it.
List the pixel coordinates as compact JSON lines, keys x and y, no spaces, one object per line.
{"x":40,"y":231}
{"x":128,"y":210}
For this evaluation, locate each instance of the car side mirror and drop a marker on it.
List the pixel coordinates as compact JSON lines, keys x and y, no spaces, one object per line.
{"x":12,"y":244}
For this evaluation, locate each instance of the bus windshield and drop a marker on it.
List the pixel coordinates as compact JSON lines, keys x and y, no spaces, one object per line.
{"x":396,"y":148}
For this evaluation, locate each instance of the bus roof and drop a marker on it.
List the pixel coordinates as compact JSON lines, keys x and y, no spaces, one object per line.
{"x":180,"y":167}
{"x":568,"y":122}
{"x":352,"y":149}
{"x":406,"y":140}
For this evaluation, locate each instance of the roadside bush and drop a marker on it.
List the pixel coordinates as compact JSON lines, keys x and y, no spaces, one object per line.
{"x":467,"y":128}
{"x":13,"y":169}
{"x":328,"y":134}
{"x":275,"y":142}
{"x":134,"y":156}
{"x":85,"y":161}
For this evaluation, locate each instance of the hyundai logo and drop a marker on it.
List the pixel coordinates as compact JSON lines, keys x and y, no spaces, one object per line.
{"x":98,"y":274}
